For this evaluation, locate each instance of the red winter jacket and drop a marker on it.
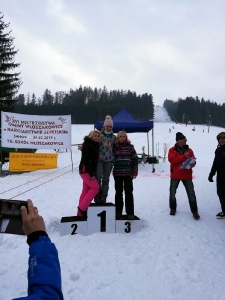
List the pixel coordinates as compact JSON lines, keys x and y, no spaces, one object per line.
{"x":176,"y":159}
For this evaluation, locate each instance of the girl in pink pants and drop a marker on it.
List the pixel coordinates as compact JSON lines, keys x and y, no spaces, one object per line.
{"x":87,"y":169}
{"x":90,"y":189}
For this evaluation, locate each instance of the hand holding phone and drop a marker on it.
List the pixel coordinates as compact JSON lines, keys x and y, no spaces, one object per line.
{"x":10,"y":216}
{"x":32,"y":221}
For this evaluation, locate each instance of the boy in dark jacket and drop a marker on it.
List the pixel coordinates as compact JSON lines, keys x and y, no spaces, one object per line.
{"x":218,"y":167}
{"x":124,"y":171}
{"x":177,"y":156}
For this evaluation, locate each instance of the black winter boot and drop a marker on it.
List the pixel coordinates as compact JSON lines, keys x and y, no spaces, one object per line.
{"x":83,"y":212}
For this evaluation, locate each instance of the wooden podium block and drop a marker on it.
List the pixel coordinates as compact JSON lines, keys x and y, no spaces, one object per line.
{"x":123,"y":225}
{"x":73,"y":225}
{"x":101,"y":218}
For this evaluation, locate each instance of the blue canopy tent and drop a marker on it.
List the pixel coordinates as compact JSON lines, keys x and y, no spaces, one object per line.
{"x":124,"y":121}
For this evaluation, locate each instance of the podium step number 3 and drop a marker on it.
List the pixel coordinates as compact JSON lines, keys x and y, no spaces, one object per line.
{"x":100,"y":218}
{"x":123,"y":225}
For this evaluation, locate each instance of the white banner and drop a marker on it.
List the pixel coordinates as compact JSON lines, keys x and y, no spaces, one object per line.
{"x":35,"y":132}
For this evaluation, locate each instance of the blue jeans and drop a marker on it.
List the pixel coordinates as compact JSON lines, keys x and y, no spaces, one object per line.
{"x":188,"y":184}
{"x":103,"y":171}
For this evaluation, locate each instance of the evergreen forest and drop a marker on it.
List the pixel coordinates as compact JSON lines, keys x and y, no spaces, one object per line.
{"x":9,"y":78}
{"x":87,"y":105}
{"x":196,"y":111}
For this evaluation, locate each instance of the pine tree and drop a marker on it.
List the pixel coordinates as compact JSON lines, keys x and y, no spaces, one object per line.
{"x":48,"y":99}
{"x":9,"y":81}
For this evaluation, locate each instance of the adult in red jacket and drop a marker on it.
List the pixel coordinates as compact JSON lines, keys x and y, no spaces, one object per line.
{"x":177,"y":155}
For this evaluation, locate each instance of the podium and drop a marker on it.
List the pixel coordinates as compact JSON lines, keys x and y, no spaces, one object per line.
{"x":73,"y":225}
{"x":124,"y":225}
{"x":101,"y":217}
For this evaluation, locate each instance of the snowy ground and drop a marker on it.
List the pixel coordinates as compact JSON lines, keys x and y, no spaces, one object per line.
{"x":171,"y":258}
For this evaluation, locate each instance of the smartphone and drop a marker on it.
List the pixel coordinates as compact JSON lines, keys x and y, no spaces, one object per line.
{"x":10,"y":216}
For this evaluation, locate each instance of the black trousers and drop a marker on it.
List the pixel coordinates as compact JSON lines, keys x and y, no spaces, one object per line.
{"x":124,"y":183}
{"x":221,"y":192}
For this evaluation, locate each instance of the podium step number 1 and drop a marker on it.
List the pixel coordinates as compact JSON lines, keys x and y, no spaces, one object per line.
{"x":101,"y":218}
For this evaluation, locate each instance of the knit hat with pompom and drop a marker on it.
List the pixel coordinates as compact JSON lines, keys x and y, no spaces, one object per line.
{"x":108,"y":121}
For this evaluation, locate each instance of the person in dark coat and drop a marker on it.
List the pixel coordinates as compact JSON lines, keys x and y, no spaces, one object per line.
{"x":87,"y":169}
{"x":177,"y":155}
{"x":124,"y":171}
{"x":218,"y":167}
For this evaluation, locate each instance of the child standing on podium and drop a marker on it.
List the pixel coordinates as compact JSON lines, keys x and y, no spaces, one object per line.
{"x":87,"y":170}
{"x":124,"y":171}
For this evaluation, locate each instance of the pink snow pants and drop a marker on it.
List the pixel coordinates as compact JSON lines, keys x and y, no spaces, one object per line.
{"x":90,"y":189}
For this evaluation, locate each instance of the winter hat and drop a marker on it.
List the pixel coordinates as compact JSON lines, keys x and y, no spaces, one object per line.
{"x":108,"y":121}
{"x":221,"y":134}
{"x":180,"y":136}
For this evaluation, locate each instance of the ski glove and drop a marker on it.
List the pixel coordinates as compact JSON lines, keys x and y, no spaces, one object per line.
{"x":210,"y":178}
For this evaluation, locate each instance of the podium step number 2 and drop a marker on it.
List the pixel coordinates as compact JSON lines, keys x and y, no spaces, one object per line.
{"x":73,"y":226}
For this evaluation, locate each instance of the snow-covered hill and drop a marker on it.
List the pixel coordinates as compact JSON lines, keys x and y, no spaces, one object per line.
{"x":161,"y":115}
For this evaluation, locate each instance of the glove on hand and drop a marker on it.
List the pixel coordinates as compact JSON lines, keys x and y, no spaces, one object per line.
{"x":210,"y":178}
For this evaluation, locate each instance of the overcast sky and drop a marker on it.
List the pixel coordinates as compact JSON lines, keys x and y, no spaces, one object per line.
{"x":167,"y":48}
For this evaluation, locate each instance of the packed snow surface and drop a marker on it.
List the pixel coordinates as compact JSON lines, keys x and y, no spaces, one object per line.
{"x":170,"y":258}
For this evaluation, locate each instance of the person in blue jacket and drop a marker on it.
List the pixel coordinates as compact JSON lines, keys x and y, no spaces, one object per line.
{"x":44,"y":275}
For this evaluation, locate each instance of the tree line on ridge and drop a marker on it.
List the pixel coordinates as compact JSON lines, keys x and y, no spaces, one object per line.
{"x":196,"y":111}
